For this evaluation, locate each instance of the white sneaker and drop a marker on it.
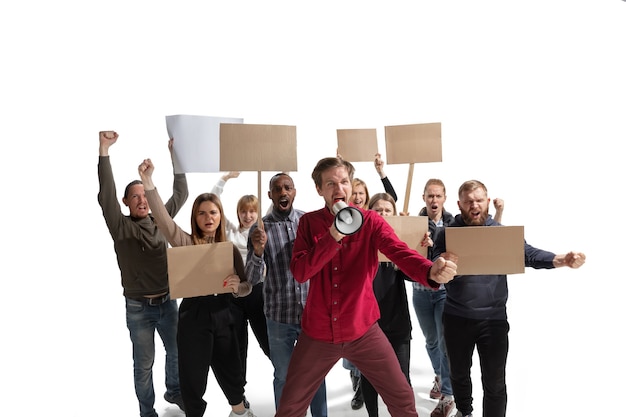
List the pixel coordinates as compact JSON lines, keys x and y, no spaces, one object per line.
{"x":247,"y":413}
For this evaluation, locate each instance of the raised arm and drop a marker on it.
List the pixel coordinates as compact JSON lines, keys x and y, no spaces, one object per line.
{"x":255,"y":262}
{"x":172,"y":232}
{"x":107,"y":193}
{"x":180,"y":189}
{"x":146,"y":169}
{"x":379,"y":164}
{"x":107,"y":138}
{"x":218,"y":189}
{"x":498,"y":203}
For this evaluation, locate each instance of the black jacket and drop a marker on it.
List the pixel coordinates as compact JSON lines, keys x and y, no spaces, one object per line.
{"x":483,"y":297}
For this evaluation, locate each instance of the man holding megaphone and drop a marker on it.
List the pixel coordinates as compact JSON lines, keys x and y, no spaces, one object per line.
{"x":336,"y":251}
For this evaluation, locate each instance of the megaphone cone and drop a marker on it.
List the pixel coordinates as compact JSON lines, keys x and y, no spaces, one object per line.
{"x":348,"y":220}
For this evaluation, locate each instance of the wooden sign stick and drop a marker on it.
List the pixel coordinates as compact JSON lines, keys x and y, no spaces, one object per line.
{"x":260,"y":217}
{"x":409,"y":181}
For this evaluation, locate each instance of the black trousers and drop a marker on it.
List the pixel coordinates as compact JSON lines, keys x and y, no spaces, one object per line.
{"x":249,"y":309}
{"x":491,"y":339}
{"x":402,"y":348}
{"x":206,"y":339}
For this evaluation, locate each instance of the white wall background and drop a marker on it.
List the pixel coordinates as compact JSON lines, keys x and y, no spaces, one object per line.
{"x":530,"y":96}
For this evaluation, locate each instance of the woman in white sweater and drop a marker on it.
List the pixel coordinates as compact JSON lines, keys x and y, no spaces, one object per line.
{"x":247,"y":309}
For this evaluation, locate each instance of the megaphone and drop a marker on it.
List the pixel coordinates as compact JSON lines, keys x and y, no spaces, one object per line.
{"x":348,"y":220}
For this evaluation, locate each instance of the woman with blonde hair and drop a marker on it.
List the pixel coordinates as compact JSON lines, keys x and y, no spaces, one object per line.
{"x":246,"y":310}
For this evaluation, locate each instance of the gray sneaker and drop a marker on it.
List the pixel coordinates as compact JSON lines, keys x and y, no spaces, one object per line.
{"x":247,"y":413}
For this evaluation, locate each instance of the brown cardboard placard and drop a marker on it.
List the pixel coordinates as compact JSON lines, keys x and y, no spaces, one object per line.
{"x":411,"y":230}
{"x":487,"y":250}
{"x":198,"y":270}
{"x":357,"y":145}
{"x":413,"y":143}
{"x":253,"y":147}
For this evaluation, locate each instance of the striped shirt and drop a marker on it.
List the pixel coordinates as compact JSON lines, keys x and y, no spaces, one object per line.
{"x":284,"y":297}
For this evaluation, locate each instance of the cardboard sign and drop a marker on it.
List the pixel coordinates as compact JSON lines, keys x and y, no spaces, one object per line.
{"x":410,"y":230}
{"x":413,"y":143}
{"x":196,"y":141}
{"x":248,"y":147}
{"x":487,"y":250}
{"x":198,"y":270}
{"x":357,"y":145}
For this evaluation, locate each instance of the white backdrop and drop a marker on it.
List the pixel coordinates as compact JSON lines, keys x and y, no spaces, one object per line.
{"x":531,"y":100}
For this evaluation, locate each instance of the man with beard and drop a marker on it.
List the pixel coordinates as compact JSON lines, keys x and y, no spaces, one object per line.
{"x":269,"y":254}
{"x":429,"y":303}
{"x":475,"y":310}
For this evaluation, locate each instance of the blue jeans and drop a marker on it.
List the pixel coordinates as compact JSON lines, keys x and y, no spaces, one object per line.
{"x":428,"y":306}
{"x":350,"y":366}
{"x":142,"y":320}
{"x":282,"y":338}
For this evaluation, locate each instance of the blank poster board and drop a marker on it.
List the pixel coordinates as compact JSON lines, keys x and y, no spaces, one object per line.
{"x":198,"y":270}
{"x":413,"y":143}
{"x":250,"y":147}
{"x":487,"y":250}
{"x":410,"y":230}
{"x":196,"y":141}
{"x":357,"y":145}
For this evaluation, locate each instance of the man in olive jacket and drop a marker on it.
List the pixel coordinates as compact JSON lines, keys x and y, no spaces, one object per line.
{"x":142,"y":258}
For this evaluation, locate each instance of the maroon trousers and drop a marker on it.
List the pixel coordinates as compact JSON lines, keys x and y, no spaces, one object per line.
{"x":372,"y":354}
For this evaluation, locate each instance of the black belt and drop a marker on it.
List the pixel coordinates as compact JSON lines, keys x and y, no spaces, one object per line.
{"x":156,"y":301}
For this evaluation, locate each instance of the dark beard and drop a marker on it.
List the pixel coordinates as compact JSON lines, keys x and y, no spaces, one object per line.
{"x":469,"y":220}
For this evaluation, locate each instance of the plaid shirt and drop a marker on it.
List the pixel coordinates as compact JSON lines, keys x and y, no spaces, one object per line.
{"x":284,"y":297}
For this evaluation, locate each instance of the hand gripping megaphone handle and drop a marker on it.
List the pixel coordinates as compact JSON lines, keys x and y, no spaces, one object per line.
{"x":345,"y":216}
{"x":348,"y":220}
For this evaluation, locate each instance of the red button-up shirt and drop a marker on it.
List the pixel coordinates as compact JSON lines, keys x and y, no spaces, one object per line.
{"x":341,"y":305}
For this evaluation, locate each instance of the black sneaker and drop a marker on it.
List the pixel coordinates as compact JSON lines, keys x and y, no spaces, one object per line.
{"x":355,"y":380}
{"x":174,"y":399}
{"x":246,"y":403}
{"x":357,"y":400}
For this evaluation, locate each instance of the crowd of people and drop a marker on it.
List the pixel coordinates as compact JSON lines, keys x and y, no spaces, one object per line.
{"x":311,"y":293}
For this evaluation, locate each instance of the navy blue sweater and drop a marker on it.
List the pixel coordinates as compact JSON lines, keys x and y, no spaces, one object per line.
{"x":483,"y":297}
